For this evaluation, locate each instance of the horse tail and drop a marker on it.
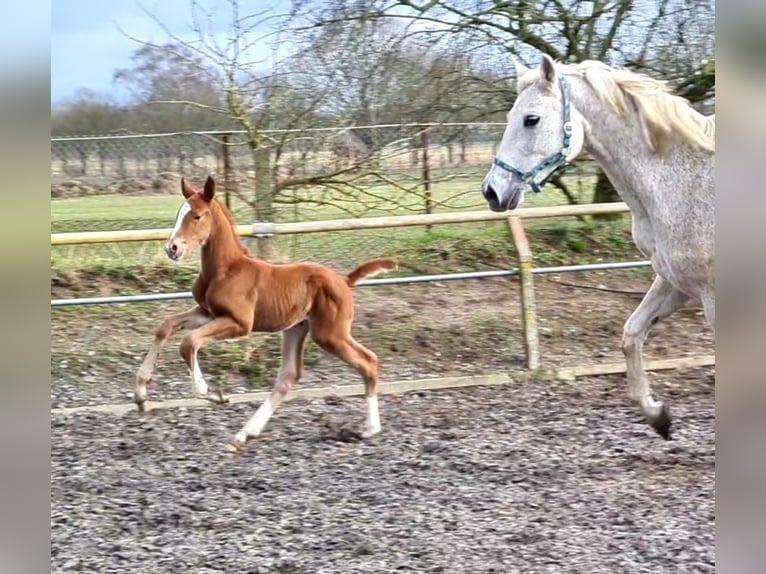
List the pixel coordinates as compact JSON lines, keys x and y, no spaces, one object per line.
{"x":372,"y":267}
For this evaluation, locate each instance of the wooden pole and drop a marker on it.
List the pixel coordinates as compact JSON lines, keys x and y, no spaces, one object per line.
{"x":528,"y":308}
{"x":227,"y":175}
{"x":571,"y":373}
{"x":426,"y":173}
{"x":385,"y":222}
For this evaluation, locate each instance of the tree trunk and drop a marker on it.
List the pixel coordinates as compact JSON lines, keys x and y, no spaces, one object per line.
{"x":604,"y":192}
{"x":264,"y":195}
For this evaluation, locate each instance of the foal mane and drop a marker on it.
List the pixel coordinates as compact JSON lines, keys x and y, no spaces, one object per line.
{"x":232,"y":224}
{"x":663,"y":115}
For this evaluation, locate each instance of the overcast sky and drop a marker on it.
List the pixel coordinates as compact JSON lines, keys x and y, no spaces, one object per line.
{"x":87,"y":45}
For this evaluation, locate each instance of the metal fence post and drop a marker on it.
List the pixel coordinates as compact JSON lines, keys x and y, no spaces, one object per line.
{"x":528,"y":309}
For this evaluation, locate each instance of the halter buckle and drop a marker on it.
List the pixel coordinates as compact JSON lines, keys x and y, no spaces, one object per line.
{"x":568,"y":128}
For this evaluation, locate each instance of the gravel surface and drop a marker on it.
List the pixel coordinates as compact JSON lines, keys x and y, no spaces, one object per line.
{"x":540,"y":477}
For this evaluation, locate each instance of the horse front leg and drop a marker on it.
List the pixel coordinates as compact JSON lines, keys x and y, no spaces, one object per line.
{"x":660,"y":301}
{"x":216,"y":329}
{"x":191,"y":319}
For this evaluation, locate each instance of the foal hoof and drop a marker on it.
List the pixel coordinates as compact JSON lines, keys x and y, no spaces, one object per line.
{"x":662,"y":422}
{"x":234,"y":447}
{"x":217,"y":397}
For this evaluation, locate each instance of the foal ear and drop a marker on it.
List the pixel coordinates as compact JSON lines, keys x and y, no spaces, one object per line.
{"x":548,"y":69}
{"x":209,"y":192}
{"x":186,"y":189}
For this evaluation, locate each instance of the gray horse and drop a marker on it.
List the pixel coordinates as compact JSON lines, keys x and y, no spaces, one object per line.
{"x":657,"y":151}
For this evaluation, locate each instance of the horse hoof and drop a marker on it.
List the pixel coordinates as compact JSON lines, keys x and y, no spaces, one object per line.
{"x":662,"y":422}
{"x":217,"y":397}
{"x":234,"y":447}
{"x":370,"y":432}
{"x":141,"y":405}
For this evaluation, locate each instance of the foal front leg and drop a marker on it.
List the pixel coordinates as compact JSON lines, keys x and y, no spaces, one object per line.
{"x":191,"y":319}
{"x":216,"y":329}
{"x":660,"y":301}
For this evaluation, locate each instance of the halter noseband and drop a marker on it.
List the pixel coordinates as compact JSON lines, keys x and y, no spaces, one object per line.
{"x":558,"y":160}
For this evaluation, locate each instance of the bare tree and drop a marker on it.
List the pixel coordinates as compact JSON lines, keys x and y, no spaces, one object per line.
{"x":636,"y":33}
{"x":262,"y":94}
{"x":87,"y":113}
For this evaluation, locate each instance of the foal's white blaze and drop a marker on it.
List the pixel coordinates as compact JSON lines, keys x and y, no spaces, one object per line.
{"x":373,"y":415}
{"x":257,"y":422}
{"x":184,"y":209}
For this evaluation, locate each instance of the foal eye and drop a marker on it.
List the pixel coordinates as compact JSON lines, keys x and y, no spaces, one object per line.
{"x":531,"y":120}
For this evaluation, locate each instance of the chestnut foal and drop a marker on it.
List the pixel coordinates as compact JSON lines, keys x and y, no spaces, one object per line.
{"x":237,"y":294}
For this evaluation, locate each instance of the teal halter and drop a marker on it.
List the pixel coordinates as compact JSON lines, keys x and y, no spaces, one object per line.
{"x":558,"y":160}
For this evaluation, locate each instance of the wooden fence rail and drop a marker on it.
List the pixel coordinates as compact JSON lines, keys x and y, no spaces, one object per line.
{"x":256,"y":229}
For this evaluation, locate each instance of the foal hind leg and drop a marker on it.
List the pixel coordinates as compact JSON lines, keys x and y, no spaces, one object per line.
{"x":290,"y":372}
{"x":187,"y":320}
{"x":216,"y":329}
{"x":660,"y":301}
{"x":341,"y":344}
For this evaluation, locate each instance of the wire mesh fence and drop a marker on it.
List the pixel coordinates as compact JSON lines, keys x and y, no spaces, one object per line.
{"x":316,"y":174}
{"x":107,"y":159}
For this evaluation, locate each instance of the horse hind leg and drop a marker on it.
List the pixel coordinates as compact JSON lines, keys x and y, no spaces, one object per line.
{"x":290,"y":372}
{"x":341,"y":344}
{"x":369,"y":371}
{"x":660,"y":301}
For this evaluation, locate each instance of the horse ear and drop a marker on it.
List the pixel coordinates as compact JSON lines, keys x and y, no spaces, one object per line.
{"x":521,"y":69}
{"x":186,"y":189}
{"x":209,"y":192}
{"x":548,"y":69}
{"x":524,"y":75}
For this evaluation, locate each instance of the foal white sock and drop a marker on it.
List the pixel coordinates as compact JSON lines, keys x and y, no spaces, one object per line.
{"x":373,"y":414}
{"x":257,"y":422}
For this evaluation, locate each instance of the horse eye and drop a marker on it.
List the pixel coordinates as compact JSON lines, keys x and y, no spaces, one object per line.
{"x":531,"y":120}
{"x":197,"y":216}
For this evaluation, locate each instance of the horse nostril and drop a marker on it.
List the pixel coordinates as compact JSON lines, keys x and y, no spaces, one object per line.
{"x":491,"y":196}
{"x":173,"y":247}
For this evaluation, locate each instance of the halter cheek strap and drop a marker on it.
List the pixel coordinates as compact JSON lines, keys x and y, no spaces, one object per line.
{"x":558,"y":160}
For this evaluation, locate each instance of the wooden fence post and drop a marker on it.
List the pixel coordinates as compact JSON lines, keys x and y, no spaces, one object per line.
{"x":228,"y":181}
{"x":528,"y":309}
{"x":426,"y":173}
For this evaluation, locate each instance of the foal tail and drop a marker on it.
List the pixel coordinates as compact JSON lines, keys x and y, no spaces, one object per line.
{"x":372,"y":267}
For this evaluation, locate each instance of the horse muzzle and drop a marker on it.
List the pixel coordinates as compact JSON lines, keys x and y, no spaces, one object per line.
{"x":499,"y":201}
{"x":174,"y":250}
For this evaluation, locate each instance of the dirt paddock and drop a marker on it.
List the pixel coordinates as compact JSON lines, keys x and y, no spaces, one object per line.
{"x":539,"y":476}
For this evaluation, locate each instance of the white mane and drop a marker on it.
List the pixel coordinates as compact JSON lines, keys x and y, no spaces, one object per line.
{"x":664,"y":116}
